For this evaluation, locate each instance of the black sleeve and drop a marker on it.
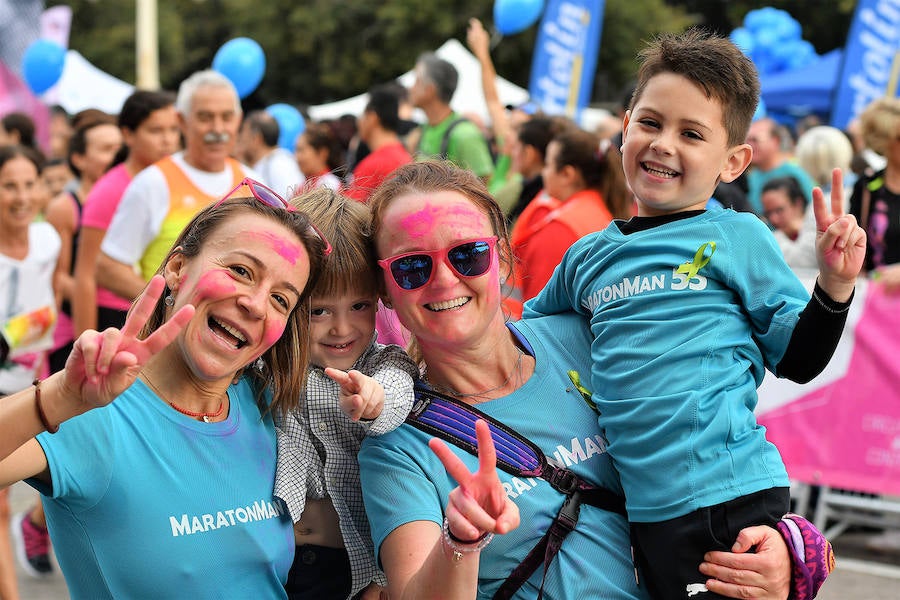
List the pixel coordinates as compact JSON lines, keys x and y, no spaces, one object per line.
{"x":815,"y":337}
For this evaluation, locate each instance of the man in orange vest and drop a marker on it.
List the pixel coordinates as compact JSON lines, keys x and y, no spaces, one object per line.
{"x":163,"y":198}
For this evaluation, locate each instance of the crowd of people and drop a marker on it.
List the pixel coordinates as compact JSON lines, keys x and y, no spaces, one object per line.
{"x":249,"y":328}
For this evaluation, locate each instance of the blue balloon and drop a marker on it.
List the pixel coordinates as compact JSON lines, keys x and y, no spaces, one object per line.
{"x":290,"y":124}
{"x":242,"y":61}
{"x":760,"y":111}
{"x":743,"y":38}
{"x":42,"y":65}
{"x":514,"y":16}
{"x":787,"y":27}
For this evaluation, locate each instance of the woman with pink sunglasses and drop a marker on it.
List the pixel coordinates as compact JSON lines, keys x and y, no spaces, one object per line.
{"x":155,"y":447}
{"x":444,"y":250}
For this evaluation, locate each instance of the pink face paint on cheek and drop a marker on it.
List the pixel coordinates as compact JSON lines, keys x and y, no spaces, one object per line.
{"x":271,"y":335}
{"x":213,"y":284}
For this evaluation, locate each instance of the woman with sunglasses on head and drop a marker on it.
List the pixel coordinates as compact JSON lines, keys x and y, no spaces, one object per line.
{"x":155,"y":448}
{"x":443,"y":246}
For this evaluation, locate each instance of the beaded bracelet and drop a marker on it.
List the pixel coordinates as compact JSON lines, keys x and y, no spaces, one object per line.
{"x":460,"y":547}
{"x":40,"y":408}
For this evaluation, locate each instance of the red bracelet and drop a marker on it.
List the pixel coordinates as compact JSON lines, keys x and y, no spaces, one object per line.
{"x":40,"y":408}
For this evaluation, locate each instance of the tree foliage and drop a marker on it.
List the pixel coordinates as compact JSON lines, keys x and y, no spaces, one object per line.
{"x":322,"y":50}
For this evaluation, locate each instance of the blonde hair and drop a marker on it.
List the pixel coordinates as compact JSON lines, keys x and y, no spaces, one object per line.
{"x":880,"y":123}
{"x":820,"y":149}
{"x":347,"y":225}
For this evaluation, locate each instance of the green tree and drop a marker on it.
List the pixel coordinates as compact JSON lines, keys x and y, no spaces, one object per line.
{"x":323,"y":50}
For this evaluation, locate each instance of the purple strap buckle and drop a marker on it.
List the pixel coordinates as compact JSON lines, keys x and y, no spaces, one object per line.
{"x":812,"y":557}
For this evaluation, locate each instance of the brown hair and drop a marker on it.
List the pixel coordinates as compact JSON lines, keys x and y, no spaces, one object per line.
{"x":282,"y":368}
{"x":712,"y":63}
{"x":347,"y":225}
{"x":320,"y":136}
{"x":599,"y":165}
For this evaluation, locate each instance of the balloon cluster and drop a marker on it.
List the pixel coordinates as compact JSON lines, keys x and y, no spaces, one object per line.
{"x":772,"y":38}
{"x":515,"y":16}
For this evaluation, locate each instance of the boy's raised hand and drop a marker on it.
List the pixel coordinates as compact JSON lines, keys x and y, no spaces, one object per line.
{"x":840,"y":242}
{"x":361,"y":396}
{"x":479,"y":504}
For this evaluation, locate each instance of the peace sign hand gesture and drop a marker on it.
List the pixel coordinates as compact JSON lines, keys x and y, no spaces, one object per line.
{"x":840,"y":242}
{"x":479,"y":505}
{"x":103,"y":364}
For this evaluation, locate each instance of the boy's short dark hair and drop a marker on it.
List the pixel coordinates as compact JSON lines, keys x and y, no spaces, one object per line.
{"x":383,"y":101}
{"x":712,"y":63}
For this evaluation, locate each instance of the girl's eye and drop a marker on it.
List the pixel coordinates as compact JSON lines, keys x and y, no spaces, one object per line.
{"x":318,"y":312}
{"x":239,"y":270}
{"x":362,"y":305}
{"x":693,"y":135}
{"x":649,"y":123}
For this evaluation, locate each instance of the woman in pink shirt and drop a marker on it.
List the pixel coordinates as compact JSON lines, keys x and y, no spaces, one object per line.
{"x":149,"y":125}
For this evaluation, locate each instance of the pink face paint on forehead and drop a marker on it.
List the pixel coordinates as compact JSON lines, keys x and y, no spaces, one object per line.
{"x":434,"y":213}
{"x":289,"y":250}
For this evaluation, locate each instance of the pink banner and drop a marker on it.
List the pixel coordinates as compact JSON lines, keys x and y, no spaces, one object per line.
{"x":843,"y":428}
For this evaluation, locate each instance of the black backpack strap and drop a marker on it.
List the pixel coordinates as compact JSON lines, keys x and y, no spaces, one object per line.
{"x":545,"y":550}
{"x":445,"y":141}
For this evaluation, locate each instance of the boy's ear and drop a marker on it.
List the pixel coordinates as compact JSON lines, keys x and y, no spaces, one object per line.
{"x":738,"y":160}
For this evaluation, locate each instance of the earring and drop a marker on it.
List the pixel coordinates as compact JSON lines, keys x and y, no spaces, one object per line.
{"x":169,"y":300}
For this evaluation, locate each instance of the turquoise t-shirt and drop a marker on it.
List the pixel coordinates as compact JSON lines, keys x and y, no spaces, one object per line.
{"x":679,"y":352}
{"x":403,"y":481}
{"x":150,"y":503}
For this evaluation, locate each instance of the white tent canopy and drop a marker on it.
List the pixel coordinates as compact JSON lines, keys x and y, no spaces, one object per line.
{"x":82,"y":85}
{"x":468,"y":98}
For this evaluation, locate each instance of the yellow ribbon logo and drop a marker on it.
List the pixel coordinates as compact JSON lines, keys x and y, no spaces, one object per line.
{"x":700,"y":260}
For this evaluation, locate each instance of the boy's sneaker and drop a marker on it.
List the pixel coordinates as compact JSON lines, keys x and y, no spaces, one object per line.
{"x":32,"y":546}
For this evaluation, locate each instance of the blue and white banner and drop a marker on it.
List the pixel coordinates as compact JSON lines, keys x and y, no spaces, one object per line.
{"x":869,"y":59}
{"x":565,"y":56}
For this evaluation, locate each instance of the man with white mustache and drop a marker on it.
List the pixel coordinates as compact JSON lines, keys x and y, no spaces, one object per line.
{"x":162,"y":198}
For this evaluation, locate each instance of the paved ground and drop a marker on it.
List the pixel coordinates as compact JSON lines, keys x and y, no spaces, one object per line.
{"x":861,"y":574}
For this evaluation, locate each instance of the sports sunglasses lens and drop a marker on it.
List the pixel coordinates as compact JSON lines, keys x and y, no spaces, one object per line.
{"x":472,"y":259}
{"x":267,"y":196}
{"x":411,"y":272}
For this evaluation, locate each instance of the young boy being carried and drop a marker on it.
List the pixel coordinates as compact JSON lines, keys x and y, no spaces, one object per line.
{"x":688,"y":308}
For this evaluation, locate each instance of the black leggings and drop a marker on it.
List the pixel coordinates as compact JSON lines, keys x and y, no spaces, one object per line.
{"x":319,"y":573}
{"x":669,"y":553}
